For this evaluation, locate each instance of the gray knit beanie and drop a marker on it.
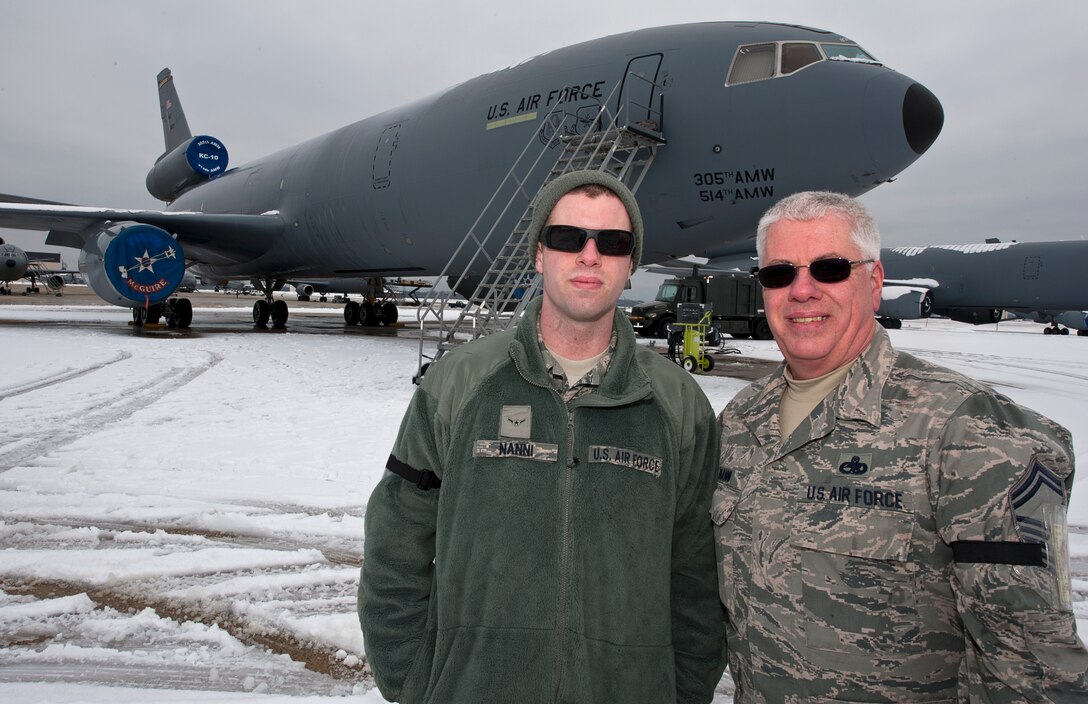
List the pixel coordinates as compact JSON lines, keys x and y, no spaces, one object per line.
{"x":551,"y":193}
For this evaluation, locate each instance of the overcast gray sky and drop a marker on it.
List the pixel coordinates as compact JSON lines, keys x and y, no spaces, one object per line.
{"x":79,"y":119}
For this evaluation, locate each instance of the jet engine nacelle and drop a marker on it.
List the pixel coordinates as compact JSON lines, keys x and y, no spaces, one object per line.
{"x":905,"y":303}
{"x":13,"y":262}
{"x":974,"y":316}
{"x":304,"y":290}
{"x":192,"y":162}
{"x":132,"y":264}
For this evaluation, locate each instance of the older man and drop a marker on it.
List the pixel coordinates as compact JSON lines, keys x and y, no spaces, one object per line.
{"x":542,"y":534}
{"x":887,"y":529}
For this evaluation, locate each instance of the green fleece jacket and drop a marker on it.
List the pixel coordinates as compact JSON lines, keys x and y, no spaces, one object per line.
{"x":567,"y":555}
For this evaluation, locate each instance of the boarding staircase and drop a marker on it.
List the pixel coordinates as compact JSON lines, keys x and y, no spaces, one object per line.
{"x":606,"y":141}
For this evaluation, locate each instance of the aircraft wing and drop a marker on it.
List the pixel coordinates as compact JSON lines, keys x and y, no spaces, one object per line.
{"x":683,"y":267}
{"x":232,"y":235}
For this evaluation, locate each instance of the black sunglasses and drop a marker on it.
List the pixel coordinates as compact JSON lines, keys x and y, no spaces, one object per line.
{"x":568,"y":238}
{"x":826,"y":271}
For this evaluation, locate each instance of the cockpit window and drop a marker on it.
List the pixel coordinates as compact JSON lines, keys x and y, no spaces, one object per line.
{"x":753,"y":63}
{"x":795,"y":56}
{"x":758,"y":62}
{"x":847,"y":52}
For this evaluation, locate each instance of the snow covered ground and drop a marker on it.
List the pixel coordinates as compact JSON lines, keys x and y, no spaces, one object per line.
{"x":183,"y":514}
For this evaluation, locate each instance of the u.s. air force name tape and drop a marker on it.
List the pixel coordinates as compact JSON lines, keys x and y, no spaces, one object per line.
{"x":626,"y":458}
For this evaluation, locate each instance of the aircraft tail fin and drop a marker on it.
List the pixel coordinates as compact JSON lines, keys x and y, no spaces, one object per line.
{"x":175,"y":128}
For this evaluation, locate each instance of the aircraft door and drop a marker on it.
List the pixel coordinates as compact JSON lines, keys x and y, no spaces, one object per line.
{"x":383,"y":156}
{"x":640,"y":96}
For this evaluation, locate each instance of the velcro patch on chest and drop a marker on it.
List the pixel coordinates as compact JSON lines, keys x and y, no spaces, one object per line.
{"x":520,"y":449}
{"x":626,"y":458}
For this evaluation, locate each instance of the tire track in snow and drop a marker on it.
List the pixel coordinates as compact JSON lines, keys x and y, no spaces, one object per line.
{"x":69,"y":428}
{"x":60,"y":377}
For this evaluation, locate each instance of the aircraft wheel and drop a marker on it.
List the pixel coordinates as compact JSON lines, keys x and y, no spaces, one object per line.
{"x":261,"y":312}
{"x":1082,"y":333}
{"x":279,"y":314}
{"x":154,"y":314}
{"x":183,"y":313}
{"x":1048,"y":331}
{"x":1064,"y":331}
{"x":390,"y":313}
{"x":139,"y":316}
{"x":351,"y":313}
{"x":689,"y":364}
{"x":708,"y":363}
{"x":367,"y":314}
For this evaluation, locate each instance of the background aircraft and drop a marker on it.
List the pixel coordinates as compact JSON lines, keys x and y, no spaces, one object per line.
{"x":393,"y":194}
{"x":971,"y":283}
{"x":974,"y":283}
{"x":17,"y":263}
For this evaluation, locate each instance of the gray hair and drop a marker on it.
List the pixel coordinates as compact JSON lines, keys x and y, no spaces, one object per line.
{"x":810,"y":205}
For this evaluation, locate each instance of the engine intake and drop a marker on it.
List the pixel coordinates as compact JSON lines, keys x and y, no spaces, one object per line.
{"x":193,"y":162}
{"x":132,"y":264}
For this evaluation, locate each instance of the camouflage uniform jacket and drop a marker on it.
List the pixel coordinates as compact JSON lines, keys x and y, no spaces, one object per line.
{"x":836,"y":544}
{"x":567,"y":555}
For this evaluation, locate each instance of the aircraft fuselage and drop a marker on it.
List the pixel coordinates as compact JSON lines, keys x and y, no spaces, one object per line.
{"x":394,"y":193}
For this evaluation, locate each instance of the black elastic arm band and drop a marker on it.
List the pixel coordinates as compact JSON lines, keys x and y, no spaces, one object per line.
{"x":998,"y":553}
{"x":423,"y":478}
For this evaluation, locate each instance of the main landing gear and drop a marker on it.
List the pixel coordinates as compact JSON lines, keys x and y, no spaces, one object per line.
{"x":370,"y":313}
{"x":268,"y":308}
{"x":178,"y":313}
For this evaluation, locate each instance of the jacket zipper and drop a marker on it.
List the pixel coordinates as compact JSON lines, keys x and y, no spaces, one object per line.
{"x":564,"y":560}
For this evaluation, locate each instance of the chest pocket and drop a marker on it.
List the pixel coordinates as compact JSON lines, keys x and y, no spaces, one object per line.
{"x":857,"y":582}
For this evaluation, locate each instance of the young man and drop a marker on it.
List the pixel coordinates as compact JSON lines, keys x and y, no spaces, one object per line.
{"x":542,"y":534}
{"x":887,"y":529}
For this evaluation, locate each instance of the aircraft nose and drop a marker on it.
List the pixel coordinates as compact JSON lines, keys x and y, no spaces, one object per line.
{"x":923,"y":117}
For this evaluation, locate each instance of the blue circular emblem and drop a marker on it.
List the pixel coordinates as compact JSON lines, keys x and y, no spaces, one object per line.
{"x":207,"y":155}
{"x":144,"y":264}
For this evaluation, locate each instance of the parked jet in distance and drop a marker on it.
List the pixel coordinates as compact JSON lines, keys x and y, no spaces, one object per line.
{"x":1055,"y":320}
{"x":974,"y":283}
{"x":970,"y":283}
{"x":17,"y":263}
{"x":393,"y":194}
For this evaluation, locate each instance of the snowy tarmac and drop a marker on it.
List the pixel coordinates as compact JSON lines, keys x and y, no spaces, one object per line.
{"x":184,"y":512}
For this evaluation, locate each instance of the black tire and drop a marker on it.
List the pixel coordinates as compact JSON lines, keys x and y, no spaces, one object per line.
{"x":261,"y":312}
{"x":661,"y":330}
{"x":708,"y":363}
{"x":689,"y":363}
{"x":279,"y":314}
{"x":183,"y":313}
{"x":1048,"y":331}
{"x":1082,"y":333}
{"x":139,"y":316}
{"x":741,"y":335}
{"x":761,"y":329}
{"x":351,"y":313}
{"x":367,"y":314}
{"x":390,"y":313}
{"x":1065,"y":331}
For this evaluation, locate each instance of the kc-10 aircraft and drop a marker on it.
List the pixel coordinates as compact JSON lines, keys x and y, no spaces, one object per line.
{"x":969,"y":283}
{"x":974,"y":283}
{"x":744,"y":112}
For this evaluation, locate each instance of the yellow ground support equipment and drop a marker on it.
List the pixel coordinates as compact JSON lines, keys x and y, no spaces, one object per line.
{"x":693,"y":319}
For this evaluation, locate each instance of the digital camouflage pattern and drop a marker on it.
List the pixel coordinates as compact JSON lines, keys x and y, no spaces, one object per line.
{"x":589,"y":381}
{"x":834,"y":544}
